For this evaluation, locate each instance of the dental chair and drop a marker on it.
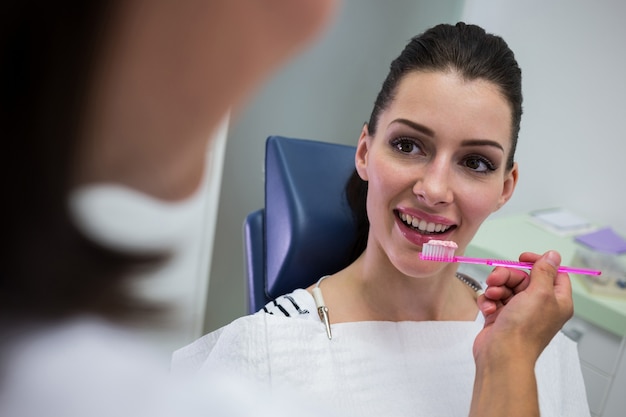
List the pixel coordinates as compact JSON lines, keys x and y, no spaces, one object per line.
{"x":306,"y":229}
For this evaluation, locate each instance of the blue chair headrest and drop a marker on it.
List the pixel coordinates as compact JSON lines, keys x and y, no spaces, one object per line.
{"x":309,"y":228}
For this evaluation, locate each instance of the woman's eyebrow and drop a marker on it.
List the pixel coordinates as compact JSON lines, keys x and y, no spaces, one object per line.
{"x":416,"y":126}
{"x":482,"y":142}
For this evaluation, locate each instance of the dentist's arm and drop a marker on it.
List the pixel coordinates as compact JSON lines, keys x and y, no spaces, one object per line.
{"x":522,"y":314}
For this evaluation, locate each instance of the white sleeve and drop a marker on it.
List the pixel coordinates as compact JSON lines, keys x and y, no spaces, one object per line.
{"x":560,"y":381}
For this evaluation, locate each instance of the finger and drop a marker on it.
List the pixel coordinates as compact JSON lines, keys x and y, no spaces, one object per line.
{"x":488,"y":307}
{"x":498,"y":293}
{"x":551,"y":290}
{"x":563,"y":293}
{"x":544,"y":271}
{"x":529,"y":257}
{"x":502,"y":283}
{"x":563,"y":284}
{"x":560,"y":281}
{"x":509,"y":277}
{"x":552,"y":287}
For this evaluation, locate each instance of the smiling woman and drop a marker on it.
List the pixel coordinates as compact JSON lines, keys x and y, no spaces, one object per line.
{"x":436,"y":158}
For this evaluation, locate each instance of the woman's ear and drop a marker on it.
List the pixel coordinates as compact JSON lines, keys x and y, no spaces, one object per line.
{"x":510,"y":181}
{"x":360,"y":157}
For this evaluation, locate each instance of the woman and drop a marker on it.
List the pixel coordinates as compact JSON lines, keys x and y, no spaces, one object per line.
{"x":406,"y":336}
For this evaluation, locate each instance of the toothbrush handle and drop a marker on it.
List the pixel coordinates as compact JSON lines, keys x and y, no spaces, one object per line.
{"x":523,"y":265}
{"x":582,"y":271}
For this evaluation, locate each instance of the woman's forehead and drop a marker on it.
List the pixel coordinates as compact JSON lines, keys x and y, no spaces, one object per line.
{"x":445,"y":103}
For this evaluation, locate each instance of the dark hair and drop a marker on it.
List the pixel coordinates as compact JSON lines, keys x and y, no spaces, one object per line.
{"x":50,"y":270}
{"x":464,"y":49}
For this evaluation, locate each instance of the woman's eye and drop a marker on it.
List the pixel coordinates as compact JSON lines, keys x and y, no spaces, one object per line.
{"x":406,"y":146}
{"x":479,"y":164}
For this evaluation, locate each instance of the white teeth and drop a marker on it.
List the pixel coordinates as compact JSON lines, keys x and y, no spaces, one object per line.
{"x":423,"y":225}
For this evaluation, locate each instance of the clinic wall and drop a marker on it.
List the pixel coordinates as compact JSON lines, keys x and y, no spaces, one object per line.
{"x":572,"y":143}
{"x":327,"y":94}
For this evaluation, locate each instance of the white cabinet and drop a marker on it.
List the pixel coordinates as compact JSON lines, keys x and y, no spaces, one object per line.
{"x":603,"y":367}
{"x":616,"y":399}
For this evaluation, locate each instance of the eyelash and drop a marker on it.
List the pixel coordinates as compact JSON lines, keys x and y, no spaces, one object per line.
{"x":403,"y":140}
{"x":490,"y":167}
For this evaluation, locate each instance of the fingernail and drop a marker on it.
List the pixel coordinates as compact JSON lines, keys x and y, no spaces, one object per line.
{"x":553,"y":258}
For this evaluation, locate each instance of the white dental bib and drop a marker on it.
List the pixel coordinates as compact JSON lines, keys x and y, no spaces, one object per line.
{"x":374,"y":368}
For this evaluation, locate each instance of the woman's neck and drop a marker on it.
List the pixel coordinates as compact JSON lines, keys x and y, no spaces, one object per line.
{"x":362,"y":292}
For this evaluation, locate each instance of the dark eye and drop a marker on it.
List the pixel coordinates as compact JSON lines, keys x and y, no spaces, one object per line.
{"x":479,"y":164}
{"x":406,"y":145}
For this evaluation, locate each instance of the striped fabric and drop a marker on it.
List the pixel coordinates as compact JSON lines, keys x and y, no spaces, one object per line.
{"x":296,"y":304}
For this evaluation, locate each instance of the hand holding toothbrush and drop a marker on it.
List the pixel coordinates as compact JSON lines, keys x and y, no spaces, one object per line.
{"x":523,"y":312}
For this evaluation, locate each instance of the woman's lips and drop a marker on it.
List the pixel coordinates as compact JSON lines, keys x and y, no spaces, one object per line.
{"x":423,"y":225}
{"x":419,"y":231}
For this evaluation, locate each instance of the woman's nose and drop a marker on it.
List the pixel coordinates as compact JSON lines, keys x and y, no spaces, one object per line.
{"x":433,"y":184}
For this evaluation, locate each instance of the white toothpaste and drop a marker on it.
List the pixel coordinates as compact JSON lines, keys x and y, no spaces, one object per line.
{"x":444,"y":243}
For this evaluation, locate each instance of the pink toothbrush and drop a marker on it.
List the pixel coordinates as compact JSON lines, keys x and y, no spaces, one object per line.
{"x":443,"y":251}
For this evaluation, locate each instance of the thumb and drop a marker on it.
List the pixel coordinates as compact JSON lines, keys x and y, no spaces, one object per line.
{"x":545,"y":269}
{"x":546,"y":278}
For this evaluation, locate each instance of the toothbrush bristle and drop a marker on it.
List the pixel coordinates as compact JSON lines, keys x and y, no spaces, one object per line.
{"x":438,"y":250}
